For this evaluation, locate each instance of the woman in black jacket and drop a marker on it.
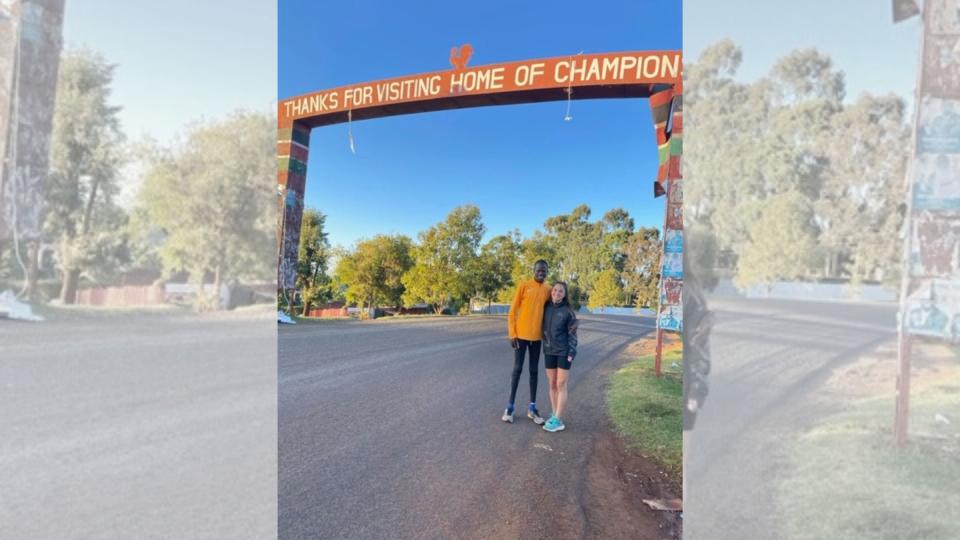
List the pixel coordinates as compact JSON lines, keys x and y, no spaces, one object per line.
{"x":559,"y":349}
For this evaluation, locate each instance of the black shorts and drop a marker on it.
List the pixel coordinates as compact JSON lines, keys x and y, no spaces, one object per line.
{"x":553,"y":362}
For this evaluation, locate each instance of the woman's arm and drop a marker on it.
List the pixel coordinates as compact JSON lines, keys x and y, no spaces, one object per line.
{"x":572,"y":325}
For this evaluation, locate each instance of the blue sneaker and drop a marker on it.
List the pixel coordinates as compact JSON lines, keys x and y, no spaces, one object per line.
{"x":507,"y":415}
{"x":554,"y":425}
{"x":534,"y":414}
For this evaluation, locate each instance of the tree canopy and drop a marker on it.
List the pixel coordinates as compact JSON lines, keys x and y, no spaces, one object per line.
{"x":791,"y":142}
{"x":211,"y":199}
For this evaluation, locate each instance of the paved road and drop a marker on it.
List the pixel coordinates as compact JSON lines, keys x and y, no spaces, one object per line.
{"x":392,"y":430}
{"x":769,"y":360}
{"x":138,"y":426}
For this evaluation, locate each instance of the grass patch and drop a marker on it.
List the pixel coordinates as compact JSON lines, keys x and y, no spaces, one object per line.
{"x":847,"y":479}
{"x":647,"y":410}
{"x":83,"y":312}
{"x":299,"y":319}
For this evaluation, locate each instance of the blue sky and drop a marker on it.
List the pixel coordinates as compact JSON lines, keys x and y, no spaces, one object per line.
{"x":179,"y":61}
{"x":877,"y":56}
{"x":520,"y":164}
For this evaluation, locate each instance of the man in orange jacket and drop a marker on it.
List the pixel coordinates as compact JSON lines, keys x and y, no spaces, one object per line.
{"x":525,"y":329}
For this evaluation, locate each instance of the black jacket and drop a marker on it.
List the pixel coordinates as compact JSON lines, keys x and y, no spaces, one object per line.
{"x":559,"y":330}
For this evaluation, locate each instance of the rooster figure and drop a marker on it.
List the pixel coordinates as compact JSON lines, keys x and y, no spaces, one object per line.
{"x":460,"y":58}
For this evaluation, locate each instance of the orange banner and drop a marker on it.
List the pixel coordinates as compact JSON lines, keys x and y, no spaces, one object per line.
{"x":622,"y":68}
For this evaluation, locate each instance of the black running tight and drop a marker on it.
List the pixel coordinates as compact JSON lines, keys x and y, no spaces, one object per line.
{"x":518,"y":353}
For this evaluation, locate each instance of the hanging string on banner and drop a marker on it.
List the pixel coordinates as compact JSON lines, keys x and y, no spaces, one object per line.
{"x":353,"y":147}
{"x":569,"y":90}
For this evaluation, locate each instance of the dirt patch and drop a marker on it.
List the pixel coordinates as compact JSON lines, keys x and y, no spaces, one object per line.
{"x":875,"y":374}
{"x":617,"y":482}
{"x":648,"y":345}
{"x":554,"y":518}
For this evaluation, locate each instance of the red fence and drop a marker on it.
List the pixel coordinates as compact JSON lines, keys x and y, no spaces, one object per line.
{"x":329,"y":312}
{"x":121,"y":296}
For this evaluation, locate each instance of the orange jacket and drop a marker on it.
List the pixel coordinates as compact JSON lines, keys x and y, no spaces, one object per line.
{"x":525,"y":320}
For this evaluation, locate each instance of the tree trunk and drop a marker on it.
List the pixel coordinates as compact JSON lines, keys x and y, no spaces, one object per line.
{"x":33,"y":255}
{"x":68,"y":292}
{"x":306,"y":309}
{"x":216,"y":290}
{"x":71,"y":277}
{"x":88,"y":208}
{"x":200,"y":304}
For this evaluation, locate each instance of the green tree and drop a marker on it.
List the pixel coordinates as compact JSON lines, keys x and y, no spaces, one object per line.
{"x":608,"y":290}
{"x":461,"y":235}
{"x":782,"y":244}
{"x":446,"y":259}
{"x":791,"y":132}
{"x":211,"y":199}
{"x":144,"y":239}
{"x":700,"y":254}
{"x":491,"y":271}
{"x":314,"y":255}
{"x":723,"y":120}
{"x":616,"y":229}
{"x":86,"y":154}
{"x":431,"y":283}
{"x":373,"y":271}
{"x":617,"y":219}
{"x":396,"y":262}
{"x":576,"y":242}
{"x":641,"y":274}
{"x":754,"y":141}
{"x":856,"y":214}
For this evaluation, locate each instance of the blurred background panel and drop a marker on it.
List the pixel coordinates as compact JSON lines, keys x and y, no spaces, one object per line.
{"x":137,"y":289}
{"x":821,"y":203}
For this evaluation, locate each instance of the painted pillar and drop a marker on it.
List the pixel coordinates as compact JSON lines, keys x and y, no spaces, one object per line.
{"x":929,"y":297}
{"x":293,"y":143}
{"x":30,"y":47}
{"x":9,"y":32}
{"x":667,"y":108}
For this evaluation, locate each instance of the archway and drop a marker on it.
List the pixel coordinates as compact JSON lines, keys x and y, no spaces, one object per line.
{"x":656,"y":75}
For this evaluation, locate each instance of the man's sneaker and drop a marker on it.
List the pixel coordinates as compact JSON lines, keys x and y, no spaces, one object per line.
{"x":554,"y":425}
{"x":507,"y":415}
{"x":534,"y":414}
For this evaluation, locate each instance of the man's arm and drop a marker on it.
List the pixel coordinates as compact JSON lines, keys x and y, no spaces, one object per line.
{"x":514,"y":311}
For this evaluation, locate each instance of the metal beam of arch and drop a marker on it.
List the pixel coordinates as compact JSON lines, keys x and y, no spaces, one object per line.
{"x":465,"y":102}
{"x":606,"y":75}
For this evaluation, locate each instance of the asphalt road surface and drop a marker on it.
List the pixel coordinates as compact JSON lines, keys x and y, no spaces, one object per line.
{"x":138,"y":426}
{"x":392,"y":430}
{"x":769,"y":360}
